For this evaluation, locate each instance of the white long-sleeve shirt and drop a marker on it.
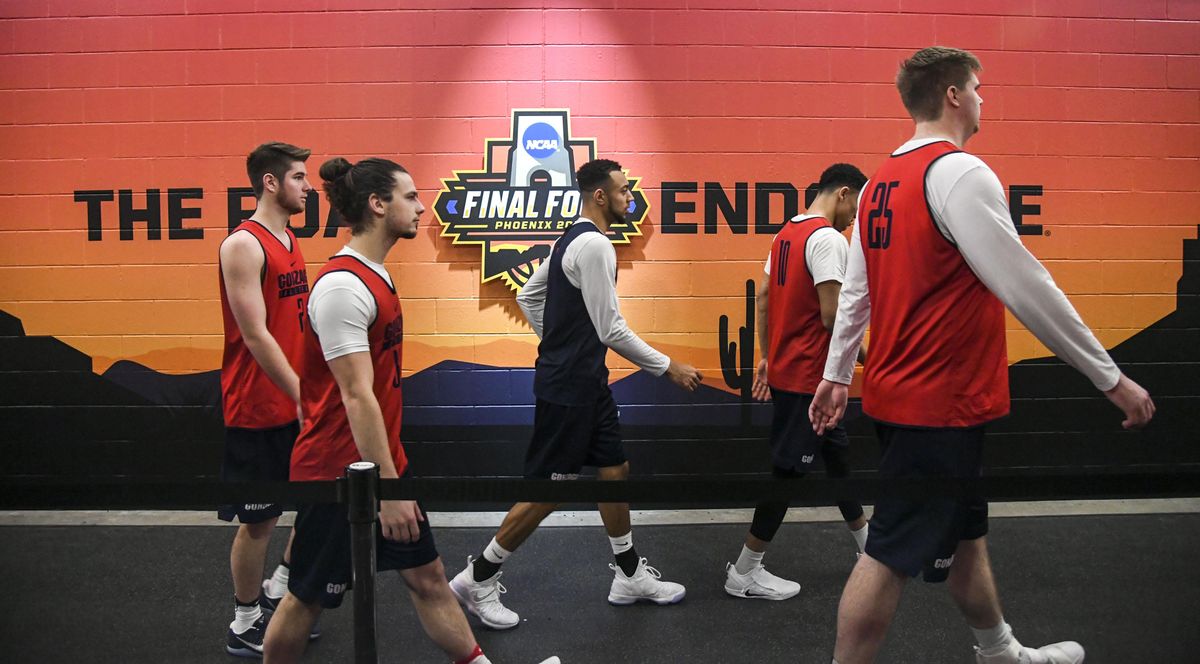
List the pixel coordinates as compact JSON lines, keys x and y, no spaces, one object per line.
{"x":590,"y":264}
{"x":969,"y":208}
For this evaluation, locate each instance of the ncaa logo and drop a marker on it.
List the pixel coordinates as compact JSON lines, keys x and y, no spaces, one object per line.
{"x":525,"y":196}
{"x":540,"y":140}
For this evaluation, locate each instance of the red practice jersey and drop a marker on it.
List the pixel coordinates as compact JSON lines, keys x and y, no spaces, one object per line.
{"x":249,"y":398}
{"x":797,"y":340}
{"x":937,"y":356}
{"x":325,"y":445}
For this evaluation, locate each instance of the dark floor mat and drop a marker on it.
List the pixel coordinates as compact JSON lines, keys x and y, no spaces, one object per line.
{"x":1127,"y":587}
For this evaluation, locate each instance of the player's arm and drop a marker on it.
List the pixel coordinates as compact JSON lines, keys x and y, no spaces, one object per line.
{"x":242,"y":262}
{"x":593,"y":265}
{"x":761,"y":388}
{"x":829,"y":293}
{"x":532,"y":298}
{"x":341,"y":312}
{"x":355,"y":377}
{"x":849,"y":326}
{"x":976,"y":216}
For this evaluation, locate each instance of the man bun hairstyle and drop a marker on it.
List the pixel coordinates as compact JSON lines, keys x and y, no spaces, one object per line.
{"x":594,"y":175}
{"x":275,"y":158}
{"x":841,"y":175}
{"x":924,"y":77}
{"x":349,"y":187}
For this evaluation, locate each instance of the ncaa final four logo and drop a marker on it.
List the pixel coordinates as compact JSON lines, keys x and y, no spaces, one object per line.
{"x":525,"y":196}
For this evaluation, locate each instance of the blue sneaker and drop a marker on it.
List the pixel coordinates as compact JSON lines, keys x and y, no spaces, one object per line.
{"x":250,"y":642}
{"x":268,"y":605}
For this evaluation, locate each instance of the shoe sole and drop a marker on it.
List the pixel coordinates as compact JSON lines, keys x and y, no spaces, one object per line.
{"x":248,"y":653}
{"x":469,"y":608}
{"x":777,"y":598}
{"x":626,"y":600}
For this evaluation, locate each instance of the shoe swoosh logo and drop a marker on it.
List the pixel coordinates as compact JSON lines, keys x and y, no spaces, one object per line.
{"x":249,"y":644}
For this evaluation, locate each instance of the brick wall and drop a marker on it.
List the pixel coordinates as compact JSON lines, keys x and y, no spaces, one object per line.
{"x":1098,"y":103}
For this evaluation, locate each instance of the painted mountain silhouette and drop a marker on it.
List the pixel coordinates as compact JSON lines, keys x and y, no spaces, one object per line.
{"x":60,"y":418}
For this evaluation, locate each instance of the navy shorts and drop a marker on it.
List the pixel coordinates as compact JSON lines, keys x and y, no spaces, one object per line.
{"x":567,"y":438}
{"x":322,"y":569}
{"x":794,"y":444}
{"x":257,"y":455}
{"x":920,"y":536}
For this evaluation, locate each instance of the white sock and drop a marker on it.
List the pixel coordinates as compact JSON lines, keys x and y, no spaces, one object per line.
{"x":494,"y":553}
{"x":482,"y":659}
{"x":860,"y":537}
{"x":277,"y":586}
{"x":748,"y":560}
{"x":621,"y":544}
{"x":993,"y":640}
{"x":244,"y":617}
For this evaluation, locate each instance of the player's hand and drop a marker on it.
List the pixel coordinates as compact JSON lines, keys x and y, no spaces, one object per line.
{"x":399,"y":518}
{"x":1134,"y":401}
{"x":684,"y":375}
{"x":828,"y":406}
{"x":761,"y":390}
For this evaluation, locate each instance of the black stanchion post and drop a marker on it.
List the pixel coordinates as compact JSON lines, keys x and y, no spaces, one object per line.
{"x":362,"y":480}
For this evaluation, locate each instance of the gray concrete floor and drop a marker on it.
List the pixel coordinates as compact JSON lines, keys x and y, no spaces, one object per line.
{"x":1126,"y":586}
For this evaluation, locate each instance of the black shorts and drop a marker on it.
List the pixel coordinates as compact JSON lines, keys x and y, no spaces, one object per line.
{"x":257,"y":455}
{"x":794,"y":444}
{"x":920,"y":536}
{"x":567,"y":438}
{"x":322,"y":569}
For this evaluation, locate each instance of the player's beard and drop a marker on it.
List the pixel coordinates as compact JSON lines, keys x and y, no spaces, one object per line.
{"x":292,"y":205}
{"x":615,"y":217}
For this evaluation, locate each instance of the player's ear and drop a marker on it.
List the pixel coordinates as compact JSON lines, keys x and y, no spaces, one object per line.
{"x":375,"y":203}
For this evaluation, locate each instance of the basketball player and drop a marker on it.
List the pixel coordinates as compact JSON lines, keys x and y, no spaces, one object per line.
{"x":264,"y":287}
{"x":796,"y":304}
{"x":571,"y":303}
{"x":352,"y":403}
{"x":934,"y":260}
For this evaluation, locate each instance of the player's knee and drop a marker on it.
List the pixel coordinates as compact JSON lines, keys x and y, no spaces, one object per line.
{"x":427,"y":582}
{"x":614,"y":472}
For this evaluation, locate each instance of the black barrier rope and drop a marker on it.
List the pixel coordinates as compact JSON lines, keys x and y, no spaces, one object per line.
{"x":1164,"y":481}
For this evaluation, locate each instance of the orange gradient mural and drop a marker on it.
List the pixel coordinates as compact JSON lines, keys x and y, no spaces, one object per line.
{"x":123,"y":137}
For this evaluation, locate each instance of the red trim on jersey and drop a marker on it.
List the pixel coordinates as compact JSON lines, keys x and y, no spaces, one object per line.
{"x":798,"y":341}
{"x":937,"y":355}
{"x":325,"y":445}
{"x":249,"y":398}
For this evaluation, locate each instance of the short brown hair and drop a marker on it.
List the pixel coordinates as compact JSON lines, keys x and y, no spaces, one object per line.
{"x":274,"y":158}
{"x":924,"y":77}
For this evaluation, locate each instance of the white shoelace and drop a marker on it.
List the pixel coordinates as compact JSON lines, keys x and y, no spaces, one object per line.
{"x":496,"y":589}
